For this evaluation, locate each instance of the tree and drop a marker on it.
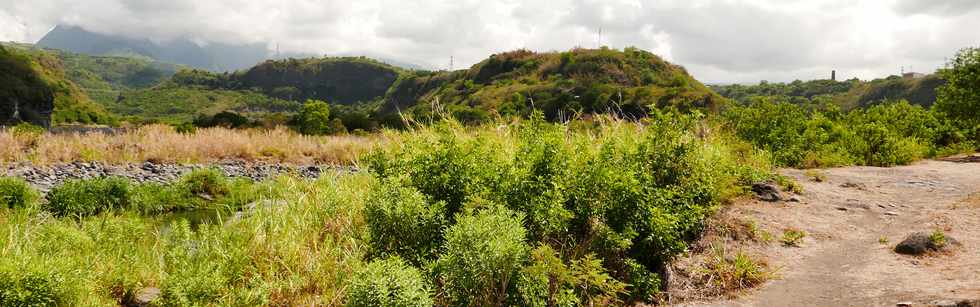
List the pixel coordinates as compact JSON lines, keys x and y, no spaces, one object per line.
{"x":959,"y":98}
{"x":314,"y":118}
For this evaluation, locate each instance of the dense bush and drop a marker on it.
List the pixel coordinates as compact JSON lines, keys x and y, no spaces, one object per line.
{"x":483,"y":255}
{"x":402,"y":222}
{"x":31,"y":288}
{"x":819,"y":136}
{"x":547,"y":281}
{"x":81,"y":198}
{"x":631,"y":195}
{"x":389,"y":282}
{"x":314,"y":118}
{"x":16,"y":193}
{"x":206,"y":181}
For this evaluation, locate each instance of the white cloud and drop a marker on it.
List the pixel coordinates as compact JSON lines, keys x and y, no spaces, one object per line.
{"x":718,"y":41}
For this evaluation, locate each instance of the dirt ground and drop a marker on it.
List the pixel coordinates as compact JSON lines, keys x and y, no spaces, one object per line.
{"x":853,"y":220}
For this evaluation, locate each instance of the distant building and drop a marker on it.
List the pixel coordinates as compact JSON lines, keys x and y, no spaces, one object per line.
{"x":912,"y":75}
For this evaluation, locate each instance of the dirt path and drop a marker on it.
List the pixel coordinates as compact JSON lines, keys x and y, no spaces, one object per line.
{"x":843,"y":260}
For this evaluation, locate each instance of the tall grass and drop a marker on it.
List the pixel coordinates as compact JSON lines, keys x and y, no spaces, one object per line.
{"x":162,"y":143}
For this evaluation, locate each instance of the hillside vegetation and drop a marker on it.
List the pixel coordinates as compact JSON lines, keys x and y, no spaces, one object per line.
{"x":560,"y":84}
{"x":847,"y":94}
{"x":39,"y":79}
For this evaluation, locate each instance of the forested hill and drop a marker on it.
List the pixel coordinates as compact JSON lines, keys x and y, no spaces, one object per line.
{"x":267,"y":92}
{"x":340,"y":80}
{"x":34,"y":88}
{"x":560,"y":84}
{"x":848,"y":94}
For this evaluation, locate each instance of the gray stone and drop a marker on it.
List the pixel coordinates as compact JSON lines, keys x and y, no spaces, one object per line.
{"x":919,"y":243}
{"x":766,"y":191}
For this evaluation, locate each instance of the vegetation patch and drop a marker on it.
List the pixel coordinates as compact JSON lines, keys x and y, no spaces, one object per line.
{"x":80,"y":198}
{"x":16,"y":193}
{"x":792,"y":237}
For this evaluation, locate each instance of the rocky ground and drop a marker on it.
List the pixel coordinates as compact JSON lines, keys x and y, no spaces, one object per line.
{"x":46,"y":177}
{"x":857,"y":222}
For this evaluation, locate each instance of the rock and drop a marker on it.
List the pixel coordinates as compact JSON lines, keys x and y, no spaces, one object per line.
{"x":766,"y":191}
{"x":904,"y":304}
{"x":841,"y":208}
{"x":891,"y":213}
{"x":968,"y":303}
{"x":859,"y":186}
{"x":795,"y":199}
{"x":919,"y":243}
{"x":943,"y":303}
{"x":143,"y":297}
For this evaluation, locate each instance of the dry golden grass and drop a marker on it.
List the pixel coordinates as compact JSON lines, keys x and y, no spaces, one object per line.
{"x":160,"y":143}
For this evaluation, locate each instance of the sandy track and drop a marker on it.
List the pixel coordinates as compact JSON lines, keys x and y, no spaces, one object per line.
{"x":842,"y":262}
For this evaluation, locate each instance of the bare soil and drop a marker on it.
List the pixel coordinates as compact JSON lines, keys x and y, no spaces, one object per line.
{"x":853,"y":220}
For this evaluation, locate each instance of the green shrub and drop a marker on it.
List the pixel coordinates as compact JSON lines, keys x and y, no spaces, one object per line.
{"x":209,"y":181}
{"x":30,"y":288}
{"x":632,"y":195}
{"x":314,"y":118}
{"x":482,"y":256}
{"x":81,"y":198}
{"x":16,"y":193}
{"x":389,"y":282}
{"x":402,"y":222}
{"x":547,"y":281}
{"x":151,"y":198}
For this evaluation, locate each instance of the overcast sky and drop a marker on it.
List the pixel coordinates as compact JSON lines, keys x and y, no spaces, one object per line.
{"x":718,"y":41}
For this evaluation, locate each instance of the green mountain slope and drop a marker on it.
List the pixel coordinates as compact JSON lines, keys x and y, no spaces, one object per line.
{"x":339,"y":80}
{"x":39,"y":79}
{"x":627,"y":83}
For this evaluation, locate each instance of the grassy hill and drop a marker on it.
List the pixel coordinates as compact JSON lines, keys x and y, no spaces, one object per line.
{"x":270,"y":87}
{"x":847,"y":94}
{"x":39,"y":78}
{"x":560,"y":84}
{"x":338,"y":80}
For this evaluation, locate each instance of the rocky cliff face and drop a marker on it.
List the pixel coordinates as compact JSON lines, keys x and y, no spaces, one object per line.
{"x":24,"y":94}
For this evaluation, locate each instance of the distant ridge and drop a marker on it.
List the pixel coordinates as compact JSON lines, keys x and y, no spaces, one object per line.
{"x":217,"y":57}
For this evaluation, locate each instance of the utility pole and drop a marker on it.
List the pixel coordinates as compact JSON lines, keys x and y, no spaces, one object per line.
{"x":450,"y":63}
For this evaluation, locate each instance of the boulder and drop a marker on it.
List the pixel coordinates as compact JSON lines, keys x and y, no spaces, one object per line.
{"x":767,"y":191}
{"x":919,"y":243}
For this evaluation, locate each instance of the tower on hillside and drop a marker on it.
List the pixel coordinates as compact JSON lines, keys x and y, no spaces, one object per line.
{"x":833,"y":75}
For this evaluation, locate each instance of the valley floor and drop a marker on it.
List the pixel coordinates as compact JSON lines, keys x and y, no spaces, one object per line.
{"x":853,"y":219}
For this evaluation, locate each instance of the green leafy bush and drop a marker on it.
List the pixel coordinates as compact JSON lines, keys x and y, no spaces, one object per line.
{"x":206,"y":181}
{"x":389,"y":282}
{"x":31,"y":288}
{"x":885,"y":134}
{"x":81,"y":198}
{"x":483,"y":255}
{"x":402,"y":222}
{"x":16,"y":193}
{"x":632,"y":195}
{"x":547,"y":281}
{"x":314,"y":118}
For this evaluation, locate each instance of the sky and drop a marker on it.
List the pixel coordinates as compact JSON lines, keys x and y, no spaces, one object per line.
{"x":723,"y":41}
